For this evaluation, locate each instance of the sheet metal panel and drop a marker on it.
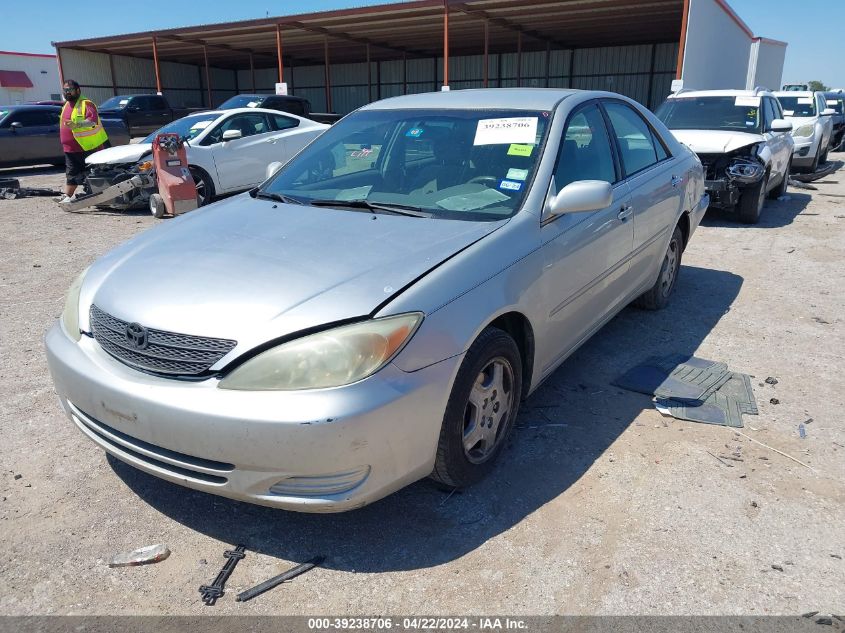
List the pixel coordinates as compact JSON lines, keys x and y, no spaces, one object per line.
{"x":135,"y":73}
{"x":89,"y":69}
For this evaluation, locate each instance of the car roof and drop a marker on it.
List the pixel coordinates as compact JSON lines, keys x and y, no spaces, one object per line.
{"x":268,"y":94}
{"x":795,"y":93}
{"x":251,"y":110}
{"x":692,"y":94}
{"x":491,"y":98}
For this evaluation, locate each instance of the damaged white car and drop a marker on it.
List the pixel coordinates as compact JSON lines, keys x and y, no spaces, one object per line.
{"x":228,"y":151}
{"x":742,"y":140}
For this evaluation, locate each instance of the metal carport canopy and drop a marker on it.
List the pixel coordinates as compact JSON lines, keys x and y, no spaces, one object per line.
{"x":409,"y":29}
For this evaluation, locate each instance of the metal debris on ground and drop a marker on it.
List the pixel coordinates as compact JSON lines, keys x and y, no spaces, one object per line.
{"x":16,"y":193}
{"x":771,"y":381}
{"x":821,"y":172}
{"x":693,"y":389}
{"x":275,"y":581}
{"x":801,"y":185}
{"x":802,"y":431}
{"x":774,"y":401}
{"x":142,"y":556}
{"x":210,"y":593}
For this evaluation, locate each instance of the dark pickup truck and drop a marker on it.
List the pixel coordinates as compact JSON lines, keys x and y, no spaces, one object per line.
{"x":283,"y":103}
{"x":29,"y":135}
{"x":142,"y":114}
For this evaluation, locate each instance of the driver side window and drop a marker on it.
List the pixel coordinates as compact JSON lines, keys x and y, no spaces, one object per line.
{"x":249,"y":124}
{"x":585,"y":153}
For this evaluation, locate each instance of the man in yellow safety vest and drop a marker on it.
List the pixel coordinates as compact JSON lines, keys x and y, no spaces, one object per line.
{"x":81,"y":133}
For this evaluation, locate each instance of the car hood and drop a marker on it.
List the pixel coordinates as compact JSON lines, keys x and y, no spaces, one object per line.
{"x":254,"y":270}
{"x":715,"y":141}
{"x":119,"y":154}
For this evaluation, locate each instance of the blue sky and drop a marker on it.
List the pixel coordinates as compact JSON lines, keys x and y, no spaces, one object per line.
{"x":815,"y":29}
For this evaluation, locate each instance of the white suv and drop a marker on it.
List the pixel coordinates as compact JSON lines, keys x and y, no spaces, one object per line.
{"x":812,"y":128}
{"x":742,"y":140}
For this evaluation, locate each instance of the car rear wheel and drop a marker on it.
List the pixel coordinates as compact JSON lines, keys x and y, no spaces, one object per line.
{"x":751,"y":202}
{"x":481,"y":410}
{"x":657,"y":297}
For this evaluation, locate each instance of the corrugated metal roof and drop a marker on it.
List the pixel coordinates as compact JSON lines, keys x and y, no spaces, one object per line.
{"x":413,"y":29}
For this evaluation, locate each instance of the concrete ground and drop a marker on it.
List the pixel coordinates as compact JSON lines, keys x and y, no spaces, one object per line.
{"x":600,"y":506}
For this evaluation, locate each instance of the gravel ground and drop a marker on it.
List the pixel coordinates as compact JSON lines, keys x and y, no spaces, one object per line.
{"x":601,"y":506}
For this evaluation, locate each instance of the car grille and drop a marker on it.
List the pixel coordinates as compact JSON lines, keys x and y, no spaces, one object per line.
{"x":166,"y":353}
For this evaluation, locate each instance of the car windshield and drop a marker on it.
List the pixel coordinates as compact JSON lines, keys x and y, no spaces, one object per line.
{"x":187,"y":127}
{"x":836,"y":103}
{"x":798,"y":106}
{"x":3,"y":113}
{"x":457,"y":164}
{"x":115,"y":103}
{"x":242,"y":101}
{"x":740,"y":114}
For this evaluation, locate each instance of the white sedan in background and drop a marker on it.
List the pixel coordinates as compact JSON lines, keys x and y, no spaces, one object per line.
{"x":228,"y":151}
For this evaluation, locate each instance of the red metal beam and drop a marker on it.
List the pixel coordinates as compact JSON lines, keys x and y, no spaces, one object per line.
{"x":683,"y":41}
{"x":279,"y":52}
{"x":445,"y":43}
{"x":155,"y":63}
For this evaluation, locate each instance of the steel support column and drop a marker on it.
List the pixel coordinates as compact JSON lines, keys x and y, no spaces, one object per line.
{"x":279,"y":52}
{"x":446,"y":43}
{"x":252,"y":70}
{"x":486,"y":52}
{"x":369,"y":76}
{"x":111,"y":71}
{"x":404,"y":73}
{"x":155,"y":63}
{"x":548,"y":62}
{"x":207,"y":75}
{"x":328,"y":73}
{"x":519,"y":59}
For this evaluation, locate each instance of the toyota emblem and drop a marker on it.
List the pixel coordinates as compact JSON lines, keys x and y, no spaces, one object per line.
{"x":137,"y":336}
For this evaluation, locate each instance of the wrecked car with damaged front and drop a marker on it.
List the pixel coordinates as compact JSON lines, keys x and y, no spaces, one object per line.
{"x":742,"y":140}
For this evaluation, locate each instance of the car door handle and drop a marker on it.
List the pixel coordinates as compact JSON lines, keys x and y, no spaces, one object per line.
{"x":676,"y":180}
{"x":625,"y":212}
{"x":270,"y":140}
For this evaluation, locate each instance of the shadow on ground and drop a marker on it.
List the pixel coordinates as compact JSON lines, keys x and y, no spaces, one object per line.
{"x":561,"y":430}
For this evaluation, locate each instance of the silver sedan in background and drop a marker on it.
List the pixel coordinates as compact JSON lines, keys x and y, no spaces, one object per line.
{"x":375,"y":312}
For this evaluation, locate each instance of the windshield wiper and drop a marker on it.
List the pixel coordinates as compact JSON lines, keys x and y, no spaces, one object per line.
{"x":388,"y":207}
{"x":278,"y":197}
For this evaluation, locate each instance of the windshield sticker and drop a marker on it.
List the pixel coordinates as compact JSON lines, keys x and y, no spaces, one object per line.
{"x":510,"y":185}
{"x":201,"y":125}
{"x":805,"y":101}
{"x":415,"y":132}
{"x":747,"y":101}
{"x":788,"y":112}
{"x":252,"y":104}
{"x":356,"y":193}
{"x":518,"y":149}
{"x":517,"y":174}
{"x":504,"y":131}
{"x":469,"y":201}
{"x":123,"y":102}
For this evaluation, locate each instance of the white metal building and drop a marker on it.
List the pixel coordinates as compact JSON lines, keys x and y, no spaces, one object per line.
{"x":343,"y":59}
{"x":28,"y":77}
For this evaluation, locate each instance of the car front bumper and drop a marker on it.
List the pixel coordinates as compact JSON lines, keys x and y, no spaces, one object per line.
{"x":325,"y":450}
{"x":804,"y":152}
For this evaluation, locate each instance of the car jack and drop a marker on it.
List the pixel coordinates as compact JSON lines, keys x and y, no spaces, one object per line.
{"x":210,"y":593}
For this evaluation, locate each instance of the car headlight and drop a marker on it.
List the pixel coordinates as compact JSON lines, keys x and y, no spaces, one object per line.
{"x":333,"y":358}
{"x":70,"y":315}
{"x":745,"y":170}
{"x":804,"y":130}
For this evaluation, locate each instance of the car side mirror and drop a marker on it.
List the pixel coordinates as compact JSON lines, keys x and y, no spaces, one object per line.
{"x":828,"y":112}
{"x":581,"y":196}
{"x":781,"y":125}
{"x":231,"y":135}
{"x":16,"y":125}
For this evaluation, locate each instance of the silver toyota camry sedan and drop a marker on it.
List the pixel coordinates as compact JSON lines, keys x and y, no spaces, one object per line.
{"x":374,"y":313}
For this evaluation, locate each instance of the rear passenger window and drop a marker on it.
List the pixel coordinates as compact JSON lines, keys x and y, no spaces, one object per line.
{"x":585,"y":153}
{"x":284,"y":122}
{"x":636,"y":143}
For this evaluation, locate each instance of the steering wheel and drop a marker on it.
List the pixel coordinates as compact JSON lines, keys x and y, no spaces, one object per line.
{"x":484,"y":180}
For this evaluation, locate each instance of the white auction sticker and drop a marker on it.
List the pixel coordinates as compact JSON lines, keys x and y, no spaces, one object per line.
{"x":805,"y":100}
{"x":506,"y":131}
{"x":747,"y":102}
{"x":201,"y":125}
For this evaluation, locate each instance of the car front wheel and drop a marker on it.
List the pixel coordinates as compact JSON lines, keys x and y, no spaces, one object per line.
{"x":481,"y":410}
{"x":751,"y":202}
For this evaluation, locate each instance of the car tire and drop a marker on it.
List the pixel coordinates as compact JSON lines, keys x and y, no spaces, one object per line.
{"x":658,"y":295}
{"x":204,"y":184}
{"x":780,"y":190}
{"x":814,"y":167}
{"x":751,"y":202}
{"x":489,"y":381}
{"x":823,"y":157}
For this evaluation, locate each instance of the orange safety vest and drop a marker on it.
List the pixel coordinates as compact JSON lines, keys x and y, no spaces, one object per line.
{"x":91,"y":136}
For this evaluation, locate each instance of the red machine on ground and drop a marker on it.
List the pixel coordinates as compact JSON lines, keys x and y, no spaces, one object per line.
{"x":177,"y":192}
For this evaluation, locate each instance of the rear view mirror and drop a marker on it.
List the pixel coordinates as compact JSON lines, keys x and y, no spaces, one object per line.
{"x":781,"y":125}
{"x":231,"y":135}
{"x":581,"y":196}
{"x":828,"y":112}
